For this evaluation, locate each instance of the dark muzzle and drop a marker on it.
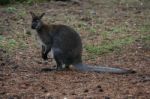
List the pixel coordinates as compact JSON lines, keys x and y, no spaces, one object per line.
{"x":34,"y":26}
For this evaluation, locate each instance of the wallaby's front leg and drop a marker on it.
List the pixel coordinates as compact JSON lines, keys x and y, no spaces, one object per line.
{"x":45,"y":51}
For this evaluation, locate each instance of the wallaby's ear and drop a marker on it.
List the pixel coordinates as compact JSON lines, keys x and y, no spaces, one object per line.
{"x":42,"y":15}
{"x":32,"y":14}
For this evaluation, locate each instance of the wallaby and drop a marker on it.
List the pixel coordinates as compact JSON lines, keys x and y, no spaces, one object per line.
{"x":66,"y":45}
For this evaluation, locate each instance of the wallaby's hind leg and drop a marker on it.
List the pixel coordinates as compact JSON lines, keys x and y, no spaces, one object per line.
{"x":67,"y":61}
{"x":58,"y":62}
{"x":67,"y":66}
{"x":58,"y":59}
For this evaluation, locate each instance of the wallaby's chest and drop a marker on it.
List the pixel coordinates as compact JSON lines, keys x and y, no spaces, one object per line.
{"x":44,"y":39}
{"x":41,"y":41}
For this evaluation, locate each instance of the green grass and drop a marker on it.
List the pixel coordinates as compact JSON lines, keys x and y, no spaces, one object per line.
{"x":1,"y":38}
{"x":109,"y":47}
{"x":11,"y":44}
{"x":146,"y":38}
{"x":113,"y":38}
{"x":22,"y":14}
{"x":146,"y":41}
{"x":10,"y":10}
{"x":4,"y":2}
{"x":7,"y":44}
{"x":145,"y":28}
{"x":144,"y":31}
{"x":116,"y":44}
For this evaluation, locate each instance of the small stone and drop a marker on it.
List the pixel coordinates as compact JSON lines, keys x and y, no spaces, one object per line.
{"x":99,"y":86}
{"x":2,"y":64}
{"x":64,"y":93}
{"x":73,"y":93}
{"x":86,"y":90}
{"x":101,"y":90}
{"x":106,"y":97}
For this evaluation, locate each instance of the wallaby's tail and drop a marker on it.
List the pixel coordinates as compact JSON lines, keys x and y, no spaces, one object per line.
{"x":100,"y":69}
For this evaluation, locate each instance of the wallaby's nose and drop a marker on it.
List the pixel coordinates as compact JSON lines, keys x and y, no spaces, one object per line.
{"x":33,"y":26}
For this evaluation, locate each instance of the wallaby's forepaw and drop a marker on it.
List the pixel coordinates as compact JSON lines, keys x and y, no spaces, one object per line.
{"x":44,"y":57}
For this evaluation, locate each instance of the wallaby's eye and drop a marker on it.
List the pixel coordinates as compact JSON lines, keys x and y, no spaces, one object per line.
{"x":35,"y":21}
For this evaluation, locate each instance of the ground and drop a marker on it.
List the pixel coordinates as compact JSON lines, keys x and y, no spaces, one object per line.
{"x":114,"y":33}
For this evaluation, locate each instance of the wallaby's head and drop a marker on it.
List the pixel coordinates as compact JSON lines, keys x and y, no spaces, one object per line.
{"x":36,"y":20}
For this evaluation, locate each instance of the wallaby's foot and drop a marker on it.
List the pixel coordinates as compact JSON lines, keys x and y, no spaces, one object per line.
{"x":67,"y":67}
{"x":54,"y":68}
{"x":61,"y":68}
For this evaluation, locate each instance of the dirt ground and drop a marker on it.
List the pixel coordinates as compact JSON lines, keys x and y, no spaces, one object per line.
{"x":20,"y":69}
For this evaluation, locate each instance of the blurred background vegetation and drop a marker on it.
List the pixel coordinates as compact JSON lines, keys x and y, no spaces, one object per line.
{"x":4,"y":2}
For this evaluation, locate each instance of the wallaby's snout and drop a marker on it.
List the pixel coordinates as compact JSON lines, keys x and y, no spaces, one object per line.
{"x":34,"y":25}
